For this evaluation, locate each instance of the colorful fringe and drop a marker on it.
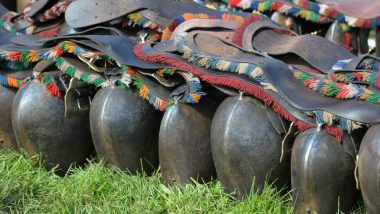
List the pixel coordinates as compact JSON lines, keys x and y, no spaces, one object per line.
{"x":329,"y":119}
{"x":308,"y":10}
{"x":147,"y":94}
{"x":371,"y":76}
{"x":129,"y":76}
{"x":123,"y":82}
{"x":140,"y":20}
{"x":338,"y":90}
{"x":265,"y":6}
{"x":12,"y":82}
{"x":76,"y":73}
{"x":330,"y":12}
{"x":256,"y":73}
{"x":167,"y":33}
{"x":48,"y":82}
{"x":98,"y":81}
{"x":194,"y":93}
{"x":257,"y":92}
{"x":50,"y":55}
{"x":249,"y":69}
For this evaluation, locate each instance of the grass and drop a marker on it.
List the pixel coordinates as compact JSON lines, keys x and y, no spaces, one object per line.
{"x":27,"y":188}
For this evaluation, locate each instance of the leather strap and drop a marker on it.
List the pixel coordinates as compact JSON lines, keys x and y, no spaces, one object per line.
{"x":276,"y":41}
{"x":279,"y":75}
{"x":84,"y":13}
{"x":206,"y":25}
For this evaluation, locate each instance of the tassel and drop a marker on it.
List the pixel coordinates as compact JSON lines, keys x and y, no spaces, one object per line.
{"x":53,"y":90}
{"x":336,"y":132}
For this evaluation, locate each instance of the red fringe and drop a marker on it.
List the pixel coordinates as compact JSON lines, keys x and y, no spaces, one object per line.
{"x":238,"y":34}
{"x":336,"y":132}
{"x":53,"y":90}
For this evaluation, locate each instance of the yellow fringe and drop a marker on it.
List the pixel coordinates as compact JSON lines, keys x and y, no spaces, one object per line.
{"x":242,"y":67}
{"x":223,"y":65}
{"x":144,"y":91}
{"x":33,"y":56}
{"x":195,"y":97}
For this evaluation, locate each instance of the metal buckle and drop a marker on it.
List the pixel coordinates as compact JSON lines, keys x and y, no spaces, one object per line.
{"x":159,"y":78}
{"x":91,"y":64}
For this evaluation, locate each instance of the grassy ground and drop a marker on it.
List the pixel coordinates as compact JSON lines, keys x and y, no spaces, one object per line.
{"x":25,"y":187}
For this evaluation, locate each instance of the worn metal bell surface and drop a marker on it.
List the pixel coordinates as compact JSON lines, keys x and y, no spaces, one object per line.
{"x":41,"y":128}
{"x":7,"y":137}
{"x":323,"y":173}
{"x":184,"y":143}
{"x":245,"y":146}
{"x":335,"y":33}
{"x":369,"y":169}
{"x":125,"y":129}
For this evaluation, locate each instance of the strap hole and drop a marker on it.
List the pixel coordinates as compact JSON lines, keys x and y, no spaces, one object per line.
{"x":96,"y":17}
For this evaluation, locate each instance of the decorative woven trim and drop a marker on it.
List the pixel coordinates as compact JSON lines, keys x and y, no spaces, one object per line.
{"x":54,"y":12}
{"x":51,"y":55}
{"x":324,"y":9}
{"x":255,"y":91}
{"x":49,"y":83}
{"x":147,"y":94}
{"x":266,"y":6}
{"x":76,"y":73}
{"x":338,"y":90}
{"x":323,"y":117}
{"x":167,"y":71}
{"x":12,"y":82}
{"x":140,"y":20}
{"x":167,"y":33}
{"x":195,"y":89}
{"x":193,"y":95}
{"x":369,"y":63}
{"x":308,"y":10}
{"x":249,"y":69}
{"x":129,"y":75}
